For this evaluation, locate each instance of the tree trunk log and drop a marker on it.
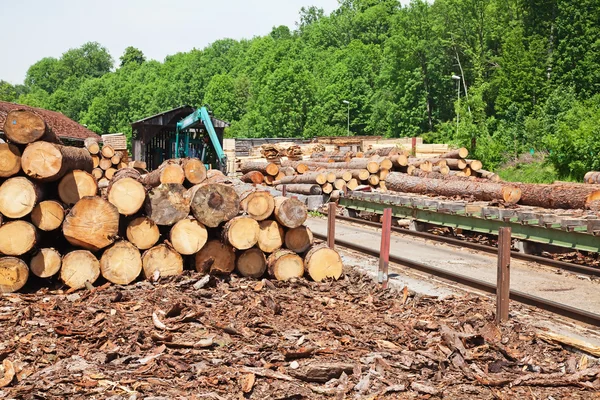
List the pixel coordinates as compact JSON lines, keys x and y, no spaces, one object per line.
{"x":188,"y":236}
{"x":116,"y":159}
{"x":95,"y":161}
{"x":79,"y":267}
{"x":312,"y":177}
{"x":76,"y":185}
{"x":45,"y":263}
{"x":373,"y":180}
{"x":48,"y":215}
{"x":110,"y":173}
{"x":13,"y":274}
{"x":270,"y":236}
{"x":371,"y":164}
{"x":339,"y":184}
{"x":287,"y":171}
{"x":10,"y":160}
{"x":215,"y":258}
{"x":194,"y":170}
{"x":255,"y":177}
{"x":49,"y":162}
{"x":264,"y":167}
{"x":479,"y":190}
{"x":166,"y":173}
{"x":565,"y":196}
{"x":302,"y":188}
{"x":321,"y":263}
{"x":18,"y":197}
{"x":353,"y":184}
{"x":290,"y":212}
{"x":258,"y":204}
{"x":299,"y":239}
{"x":93,"y":224}
{"x":327,"y":188}
{"x":475,"y":165}
{"x":167,"y":204}
{"x":456,"y":154}
{"x":126,"y":192}
{"x":143,"y":233}
{"x":91,"y":144}
{"x":384,"y":151}
{"x":161,"y":260}
{"x":121,"y":263}
{"x":360,"y":174}
{"x":24,"y":127}
{"x":213,"y":204}
{"x":108,"y":151}
{"x":399,"y":160}
{"x":489,"y":175}
{"x":105,"y":164}
{"x":241,"y":232}
{"x":97,"y":173}
{"x":284,"y":265}
{"x":299,"y":166}
{"x":456,"y":164}
{"x":252,"y":263}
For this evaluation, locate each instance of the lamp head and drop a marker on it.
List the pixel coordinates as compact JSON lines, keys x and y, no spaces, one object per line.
{"x":456,"y":77}
{"x":345,"y":102}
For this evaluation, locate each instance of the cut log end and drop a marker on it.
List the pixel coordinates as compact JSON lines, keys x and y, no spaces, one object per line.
{"x":108,"y":151}
{"x":290,"y":212}
{"x":270,"y":237}
{"x":48,"y":215}
{"x":167,"y":204}
{"x":10,"y":160}
{"x":46,"y":263}
{"x":172,"y":173}
{"x":76,"y":185}
{"x":511,"y":194}
{"x":299,"y":239}
{"x":322,"y":263}
{"x":188,"y":236}
{"x":92,"y":224}
{"x":241,"y":232}
{"x":252,"y":263}
{"x":121,"y":263}
{"x":214,"y":203}
{"x":18,"y":197}
{"x":128,"y":195}
{"x":215,"y":258}
{"x":23,"y":127}
{"x":13,"y":274}
{"x":194,"y":170}
{"x":258,"y":205}
{"x":163,"y":259}
{"x":79,"y":267}
{"x":17,"y":238}
{"x":284,"y":265}
{"x":143,"y":233}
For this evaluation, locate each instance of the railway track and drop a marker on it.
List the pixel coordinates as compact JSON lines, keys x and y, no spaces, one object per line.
{"x":518,"y":296}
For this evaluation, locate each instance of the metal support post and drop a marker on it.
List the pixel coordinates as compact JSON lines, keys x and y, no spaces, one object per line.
{"x":284,"y":191}
{"x":384,"y":253}
{"x":503,"y":282}
{"x":331,"y":225}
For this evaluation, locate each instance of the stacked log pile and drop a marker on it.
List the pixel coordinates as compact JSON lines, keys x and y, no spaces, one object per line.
{"x":106,"y":161}
{"x":55,"y":221}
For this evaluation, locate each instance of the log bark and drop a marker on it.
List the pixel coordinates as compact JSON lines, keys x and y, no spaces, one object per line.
{"x":322,"y":263}
{"x":76,"y":185}
{"x":241,"y":232}
{"x":565,"y":196}
{"x":489,"y":175}
{"x":108,"y":151}
{"x":167,"y":204}
{"x":18,"y":197}
{"x":258,"y":204}
{"x":13,"y":274}
{"x":270,"y":236}
{"x":188,"y":236}
{"x":590,"y":177}
{"x":313,"y":177}
{"x":215,"y":203}
{"x":10,"y":160}
{"x":287,"y":171}
{"x":475,"y":165}
{"x":290,"y":212}
{"x":371,"y":164}
{"x":215,"y":258}
{"x":383,"y":151}
{"x":96,"y":161}
{"x":45,"y":263}
{"x":255,"y":177}
{"x":92,"y":224}
{"x":456,"y":164}
{"x":79,"y":267}
{"x":166,"y":173}
{"x":479,"y":190}
{"x":121,"y":263}
{"x":143,"y":233}
{"x":299,"y":239}
{"x":252,"y":263}
{"x":49,"y":162}
{"x":48,"y":215}
{"x":24,"y":127}
{"x":284,"y":265}
{"x":299,"y":166}
{"x":264,"y":167}
{"x":91,"y":144}
{"x":302,"y":188}
{"x":456,"y":154}
{"x":360,"y":174}
{"x":163,"y":261}
{"x":126,"y":192}
{"x":399,"y":160}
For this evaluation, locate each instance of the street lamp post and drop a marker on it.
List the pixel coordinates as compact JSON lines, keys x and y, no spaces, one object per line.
{"x":457,"y":79}
{"x":348,"y":103}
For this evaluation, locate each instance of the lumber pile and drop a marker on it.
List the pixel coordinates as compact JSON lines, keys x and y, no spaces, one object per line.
{"x":55,"y":220}
{"x":106,"y":160}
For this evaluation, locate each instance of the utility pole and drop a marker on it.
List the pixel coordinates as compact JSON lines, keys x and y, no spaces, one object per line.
{"x":348,"y":103}
{"x":457,"y":79}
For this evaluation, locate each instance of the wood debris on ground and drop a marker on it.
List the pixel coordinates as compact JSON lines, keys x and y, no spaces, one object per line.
{"x":235,"y":338}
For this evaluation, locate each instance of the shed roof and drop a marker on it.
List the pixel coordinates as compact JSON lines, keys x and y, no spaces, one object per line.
{"x":62,"y":126}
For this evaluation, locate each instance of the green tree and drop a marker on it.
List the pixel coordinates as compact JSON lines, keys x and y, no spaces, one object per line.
{"x":7,"y":92}
{"x":132,"y":55}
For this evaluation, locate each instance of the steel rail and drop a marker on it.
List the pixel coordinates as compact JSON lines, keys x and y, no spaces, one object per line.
{"x":580,"y":269}
{"x":521,"y":297}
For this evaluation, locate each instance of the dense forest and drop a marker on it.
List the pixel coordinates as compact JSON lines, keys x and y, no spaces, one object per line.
{"x":527,"y":73}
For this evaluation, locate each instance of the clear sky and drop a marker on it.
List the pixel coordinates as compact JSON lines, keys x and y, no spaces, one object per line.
{"x":33,"y":29}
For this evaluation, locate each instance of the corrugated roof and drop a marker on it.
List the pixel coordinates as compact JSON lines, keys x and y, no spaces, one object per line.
{"x":117,"y":141}
{"x":217,"y":123}
{"x":61,"y":125}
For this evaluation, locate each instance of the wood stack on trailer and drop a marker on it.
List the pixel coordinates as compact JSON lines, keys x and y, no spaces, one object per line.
{"x":56,"y":221}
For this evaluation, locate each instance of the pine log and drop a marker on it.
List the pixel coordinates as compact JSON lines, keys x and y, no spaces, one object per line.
{"x":215,"y":258}
{"x":116,"y":159}
{"x":110,"y":173}
{"x":264,"y":167}
{"x":489,"y":175}
{"x":163,"y":261}
{"x":383,"y":151}
{"x":322,"y":262}
{"x":49,"y":162}
{"x":270,"y":236}
{"x":252,"y":263}
{"x":167,"y":204}
{"x":479,"y":190}
{"x":290,"y":212}
{"x":137,"y":165}
{"x":92,"y":224}
{"x":426,"y":166}
{"x":360,"y":174}
{"x":565,"y":196}
{"x":327,"y":188}
{"x":456,"y":164}
{"x":269,"y":180}
{"x":18,"y":197}
{"x":103,"y":183}
{"x":215,"y":203}
{"x":302,"y":188}
{"x":215,"y":176}
{"x":312,"y":177}
{"x":339,"y":184}
{"x":121,"y":263}
{"x":166,"y":173}
{"x":194,"y":170}
{"x":91,"y":144}
{"x":287,"y":171}
{"x":97,"y":173}
{"x":456,"y":154}
{"x":13,"y":274}
{"x":95,"y":161}
{"x":284,"y":265}
{"x":399,"y":160}
{"x":258,"y":204}
{"x":371,"y":164}
{"x":108,"y":151}
{"x":299,"y":239}
{"x":188,"y":236}
{"x":23,"y":127}
{"x":591,"y":177}
{"x":475,"y":165}
{"x":382,"y":186}
{"x":48,"y":215}
{"x":76,"y":185}
{"x":10,"y":160}
{"x":352,"y":184}
{"x":122,"y":165}
{"x":255,"y":177}
{"x":45,"y":263}
{"x":383,"y":173}
{"x":143,"y":233}
{"x":126,"y":192}
{"x":467,"y":171}
{"x":373,"y":180}
{"x":105,"y":164}
{"x":241,"y":232}
{"x":79,"y":267}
